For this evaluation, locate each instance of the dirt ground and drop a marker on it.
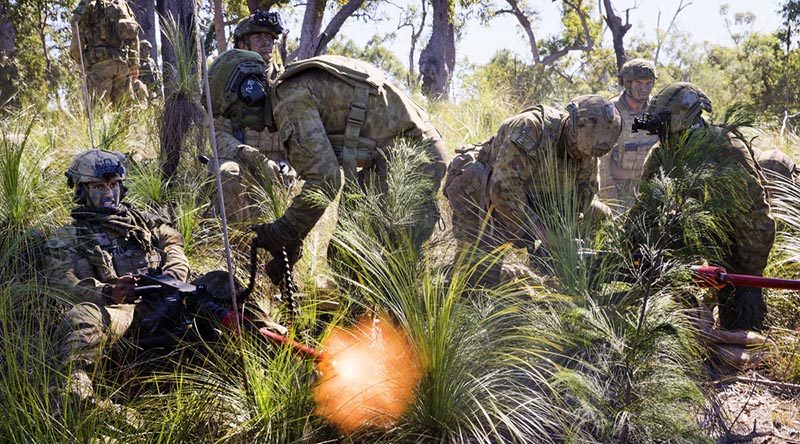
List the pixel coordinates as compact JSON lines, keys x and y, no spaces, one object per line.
{"x":750,"y":412}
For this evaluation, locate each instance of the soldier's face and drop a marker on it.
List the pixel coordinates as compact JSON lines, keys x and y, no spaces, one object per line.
{"x":640,"y":89}
{"x":104,"y":195}
{"x":262,"y":43}
{"x":595,"y":138}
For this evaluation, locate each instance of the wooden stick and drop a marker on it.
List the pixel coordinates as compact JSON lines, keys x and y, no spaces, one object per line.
{"x":769,"y":382}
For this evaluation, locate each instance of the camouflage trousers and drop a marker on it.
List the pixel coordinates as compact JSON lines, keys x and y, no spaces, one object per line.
{"x":87,"y":329}
{"x":110,"y":79}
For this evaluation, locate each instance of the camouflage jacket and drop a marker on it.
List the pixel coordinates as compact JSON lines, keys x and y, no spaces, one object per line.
{"x":108,"y":31}
{"x":753,"y":232}
{"x":311,"y":107}
{"x":521,"y":156}
{"x":92,"y":252}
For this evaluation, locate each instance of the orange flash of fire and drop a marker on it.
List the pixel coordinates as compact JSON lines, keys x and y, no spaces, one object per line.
{"x":369,"y":373}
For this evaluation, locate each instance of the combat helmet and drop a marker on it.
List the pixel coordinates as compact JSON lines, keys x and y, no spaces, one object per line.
{"x":260,"y":21}
{"x":236,"y":75}
{"x":94,"y":166}
{"x":637,"y":69}
{"x":675,"y":108}
{"x":594,"y":124}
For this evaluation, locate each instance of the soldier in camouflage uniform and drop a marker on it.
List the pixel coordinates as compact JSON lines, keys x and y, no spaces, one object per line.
{"x":621,"y":169}
{"x":96,"y":258}
{"x":109,"y":44}
{"x":331,"y":111}
{"x":148,"y":70}
{"x":246,"y":154}
{"x":508,"y":174}
{"x":675,"y":113}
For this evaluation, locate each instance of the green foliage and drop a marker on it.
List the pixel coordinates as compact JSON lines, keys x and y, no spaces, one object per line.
{"x":690,"y":208}
{"x":375,"y":52}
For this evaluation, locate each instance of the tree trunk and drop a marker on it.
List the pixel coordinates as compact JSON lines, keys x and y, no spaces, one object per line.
{"x":415,"y":35}
{"x":437,"y":60}
{"x":8,"y":70}
{"x":219,"y":27}
{"x":310,"y":29}
{"x":618,"y":31}
{"x":312,"y":42}
{"x":145,"y":12}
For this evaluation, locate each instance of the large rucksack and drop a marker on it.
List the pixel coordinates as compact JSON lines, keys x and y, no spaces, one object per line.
{"x":108,"y":30}
{"x":351,"y":149}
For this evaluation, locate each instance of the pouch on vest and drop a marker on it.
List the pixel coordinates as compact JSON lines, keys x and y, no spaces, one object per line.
{"x":128,"y":29}
{"x":365,"y":151}
{"x":465,"y":187}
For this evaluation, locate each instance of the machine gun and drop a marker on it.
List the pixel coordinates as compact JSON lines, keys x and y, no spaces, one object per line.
{"x":180,"y":306}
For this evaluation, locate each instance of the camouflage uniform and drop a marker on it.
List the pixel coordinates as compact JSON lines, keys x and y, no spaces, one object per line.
{"x":507,"y":174}
{"x":140,"y":94}
{"x":244,"y":153}
{"x":148,"y":70}
{"x":109,"y":42}
{"x":621,"y":169}
{"x":775,"y":163}
{"x":87,"y":258}
{"x":334,"y":111}
{"x":754,"y":234}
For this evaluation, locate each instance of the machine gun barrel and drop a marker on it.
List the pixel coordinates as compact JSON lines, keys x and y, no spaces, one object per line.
{"x":718,"y":277}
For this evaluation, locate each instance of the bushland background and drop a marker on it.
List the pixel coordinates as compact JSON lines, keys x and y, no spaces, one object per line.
{"x":524,"y":363}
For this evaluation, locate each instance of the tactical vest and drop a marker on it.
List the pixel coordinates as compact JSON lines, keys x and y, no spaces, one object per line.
{"x":352,"y":149}
{"x":117,"y":256}
{"x":627,"y":157}
{"x":108,"y":30}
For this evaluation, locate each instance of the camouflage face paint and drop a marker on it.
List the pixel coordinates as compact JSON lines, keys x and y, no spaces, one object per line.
{"x":262,"y":43}
{"x":104,"y":195}
{"x":640,"y":89}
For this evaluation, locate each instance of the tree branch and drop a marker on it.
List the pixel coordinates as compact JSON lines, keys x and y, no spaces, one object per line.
{"x":565,"y":50}
{"x":336,"y":23}
{"x":526,"y":26}
{"x":661,"y":38}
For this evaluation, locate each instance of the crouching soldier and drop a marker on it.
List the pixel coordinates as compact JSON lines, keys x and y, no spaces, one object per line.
{"x":330,"y":111}
{"x":497,"y":191}
{"x":248,"y":157}
{"x":675,"y":115}
{"x":96,"y":258}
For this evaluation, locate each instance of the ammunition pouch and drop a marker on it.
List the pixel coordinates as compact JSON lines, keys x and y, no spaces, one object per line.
{"x":364,"y":150}
{"x":466,"y":188}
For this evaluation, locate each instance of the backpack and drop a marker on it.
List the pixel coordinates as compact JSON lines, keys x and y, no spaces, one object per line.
{"x":108,"y":30}
{"x":365,"y":79}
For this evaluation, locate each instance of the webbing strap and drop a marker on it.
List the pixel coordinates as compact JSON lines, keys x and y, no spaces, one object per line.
{"x":352,"y":131}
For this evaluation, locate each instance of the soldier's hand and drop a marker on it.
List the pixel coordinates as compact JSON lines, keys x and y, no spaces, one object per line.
{"x":274,"y":236}
{"x":122,"y":290}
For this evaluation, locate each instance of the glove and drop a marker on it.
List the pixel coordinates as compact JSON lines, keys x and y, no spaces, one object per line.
{"x":276,"y":267}
{"x":274,"y":236}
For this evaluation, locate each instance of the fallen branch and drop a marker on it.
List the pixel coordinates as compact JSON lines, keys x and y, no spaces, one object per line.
{"x":769,"y":382}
